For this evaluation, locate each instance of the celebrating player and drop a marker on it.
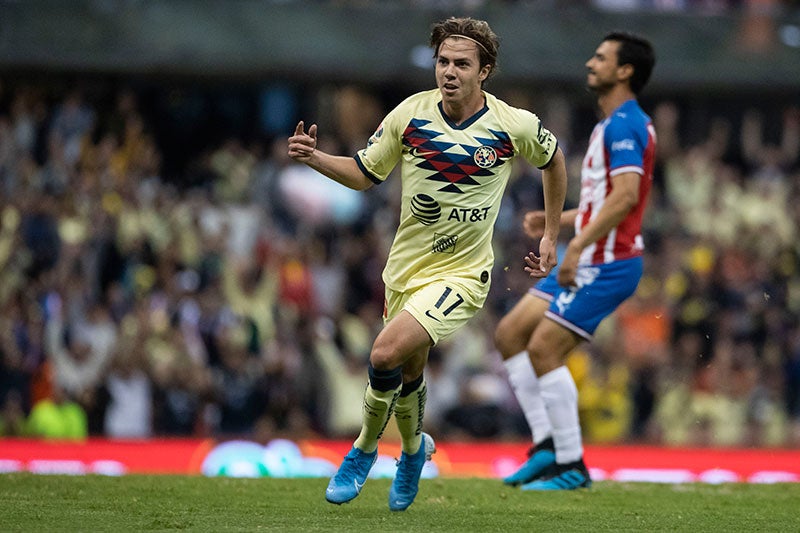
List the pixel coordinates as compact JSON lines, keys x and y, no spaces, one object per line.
{"x":600,"y":269}
{"x":455,"y":145}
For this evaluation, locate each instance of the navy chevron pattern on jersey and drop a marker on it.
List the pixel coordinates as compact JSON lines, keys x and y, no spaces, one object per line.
{"x":453,"y":163}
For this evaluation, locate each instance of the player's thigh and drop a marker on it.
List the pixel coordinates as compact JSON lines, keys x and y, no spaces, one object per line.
{"x":514,"y":330}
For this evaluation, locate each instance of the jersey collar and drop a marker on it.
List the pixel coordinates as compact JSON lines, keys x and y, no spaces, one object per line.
{"x":467,"y":123}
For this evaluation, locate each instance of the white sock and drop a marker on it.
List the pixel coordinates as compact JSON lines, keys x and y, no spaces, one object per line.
{"x":561,"y":400}
{"x":526,"y":388}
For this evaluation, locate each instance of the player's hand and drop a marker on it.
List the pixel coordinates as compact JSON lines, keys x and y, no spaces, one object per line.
{"x":532,"y":262}
{"x":539,"y":266}
{"x":533,"y":224}
{"x":302,"y":144}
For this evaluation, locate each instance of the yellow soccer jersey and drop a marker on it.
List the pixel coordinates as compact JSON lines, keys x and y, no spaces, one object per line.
{"x":453,"y":178}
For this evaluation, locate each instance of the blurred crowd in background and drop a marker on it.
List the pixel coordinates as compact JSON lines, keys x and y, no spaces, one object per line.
{"x":706,"y":7}
{"x":153,"y":284}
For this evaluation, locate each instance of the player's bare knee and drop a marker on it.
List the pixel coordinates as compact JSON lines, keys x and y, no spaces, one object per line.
{"x":382,"y":362}
{"x":544,"y":356}
{"x":384,"y":357}
{"x":500,"y":340}
{"x":506,"y":339}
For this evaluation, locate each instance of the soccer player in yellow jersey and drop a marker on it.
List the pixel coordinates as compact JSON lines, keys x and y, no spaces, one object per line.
{"x":455,"y":144}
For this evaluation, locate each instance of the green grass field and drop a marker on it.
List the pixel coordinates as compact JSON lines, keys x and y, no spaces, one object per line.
{"x":31,"y":502}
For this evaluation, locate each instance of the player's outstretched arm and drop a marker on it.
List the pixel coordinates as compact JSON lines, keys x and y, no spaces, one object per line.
{"x":554,"y":183}
{"x":342,"y":169}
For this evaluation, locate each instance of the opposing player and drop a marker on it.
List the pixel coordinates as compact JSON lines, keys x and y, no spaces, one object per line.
{"x":600,"y":269}
{"x":455,"y":145}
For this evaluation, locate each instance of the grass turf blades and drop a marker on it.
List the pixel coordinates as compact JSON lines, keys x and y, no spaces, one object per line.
{"x":193,"y":503}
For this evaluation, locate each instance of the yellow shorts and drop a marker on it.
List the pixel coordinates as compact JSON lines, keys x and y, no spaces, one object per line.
{"x":441,"y":307}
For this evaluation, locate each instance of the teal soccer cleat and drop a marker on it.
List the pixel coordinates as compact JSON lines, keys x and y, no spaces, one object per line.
{"x":540,"y":462}
{"x":569,"y":476}
{"x":346,"y":484}
{"x":409,"y":467}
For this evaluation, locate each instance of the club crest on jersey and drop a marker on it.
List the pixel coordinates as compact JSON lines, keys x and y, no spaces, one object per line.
{"x":485,"y":157}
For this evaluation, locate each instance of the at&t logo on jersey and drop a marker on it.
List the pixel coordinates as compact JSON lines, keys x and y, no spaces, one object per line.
{"x":485,"y":157}
{"x":425,"y":209}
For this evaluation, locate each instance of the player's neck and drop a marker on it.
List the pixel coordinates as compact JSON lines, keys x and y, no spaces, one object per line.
{"x":458,"y":113}
{"x":609,"y":101}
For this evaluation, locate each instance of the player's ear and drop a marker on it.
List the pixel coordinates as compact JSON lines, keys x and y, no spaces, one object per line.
{"x":485,"y":70}
{"x":625,"y":72}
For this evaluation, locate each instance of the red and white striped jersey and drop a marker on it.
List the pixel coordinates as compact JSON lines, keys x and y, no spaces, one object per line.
{"x":623,"y":142}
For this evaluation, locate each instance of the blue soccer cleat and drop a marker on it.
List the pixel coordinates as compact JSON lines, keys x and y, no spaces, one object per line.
{"x":539,"y":463}
{"x":351,"y":476}
{"x":569,"y":476}
{"x":409,"y":467}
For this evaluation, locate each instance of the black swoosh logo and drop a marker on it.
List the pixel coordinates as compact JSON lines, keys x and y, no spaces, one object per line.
{"x":429,"y":315}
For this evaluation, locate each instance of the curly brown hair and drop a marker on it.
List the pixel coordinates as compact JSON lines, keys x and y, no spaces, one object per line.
{"x":474,"y":30}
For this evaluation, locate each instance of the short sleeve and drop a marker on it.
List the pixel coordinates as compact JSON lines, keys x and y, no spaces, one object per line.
{"x":538,"y":145}
{"x":624,"y":146}
{"x":383,"y":149}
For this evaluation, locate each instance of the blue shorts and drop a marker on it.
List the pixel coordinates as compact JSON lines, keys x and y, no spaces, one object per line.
{"x":601,"y":289}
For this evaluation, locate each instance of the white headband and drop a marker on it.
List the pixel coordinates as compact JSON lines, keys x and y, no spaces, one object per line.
{"x":469,"y":39}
